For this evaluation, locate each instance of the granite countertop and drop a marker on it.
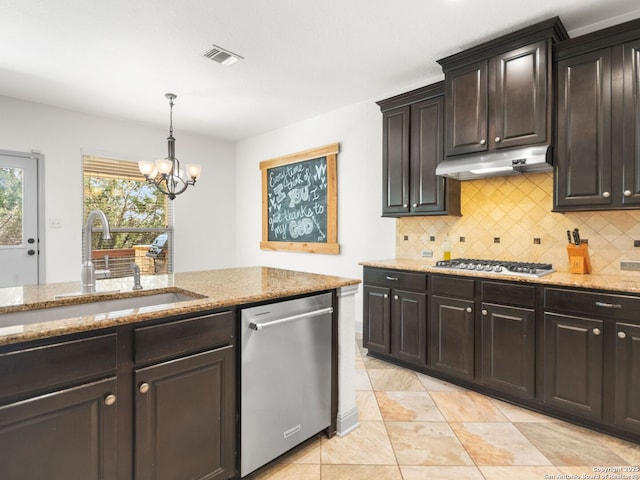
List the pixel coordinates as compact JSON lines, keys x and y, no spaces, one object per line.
{"x":216,"y":289}
{"x":622,"y":283}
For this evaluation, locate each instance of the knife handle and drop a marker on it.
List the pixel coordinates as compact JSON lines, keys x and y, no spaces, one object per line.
{"x":569,"y":236}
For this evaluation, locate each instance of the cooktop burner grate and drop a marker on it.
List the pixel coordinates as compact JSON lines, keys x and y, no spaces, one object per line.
{"x":501,"y":267}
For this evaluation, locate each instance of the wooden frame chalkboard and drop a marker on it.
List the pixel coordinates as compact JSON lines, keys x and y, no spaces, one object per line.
{"x":300,"y":201}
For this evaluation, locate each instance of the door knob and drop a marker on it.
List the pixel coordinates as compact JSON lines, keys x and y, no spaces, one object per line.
{"x":596,"y":331}
{"x":498,"y":139}
{"x":395,"y":297}
{"x":143,"y":387}
{"x":32,"y":240}
{"x":622,"y":335}
{"x":109,"y":399}
{"x":469,"y":309}
{"x":606,"y":194}
{"x":627,"y":193}
{"x":415,"y":205}
{"x":483,"y":141}
{"x":31,"y":252}
{"x":484,"y":312}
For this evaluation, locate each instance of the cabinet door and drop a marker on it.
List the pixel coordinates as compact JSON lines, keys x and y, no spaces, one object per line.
{"x":395,"y":161}
{"x":63,"y":435}
{"x":427,"y":150}
{"x":573,"y":364}
{"x":451,"y":336}
{"x":185,"y":418}
{"x":631,"y":126}
{"x":467,"y":113}
{"x":627,"y":378}
{"x":508,"y":349}
{"x":409,"y":327}
{"x":377,"y":315}
{"x":583,"y":153}
{"x":520,"y":102}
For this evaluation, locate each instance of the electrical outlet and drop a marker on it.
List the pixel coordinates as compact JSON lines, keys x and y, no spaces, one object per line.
{"x":632,"y":265}
{"x":55,"y":223}
{"x":427,"y":253}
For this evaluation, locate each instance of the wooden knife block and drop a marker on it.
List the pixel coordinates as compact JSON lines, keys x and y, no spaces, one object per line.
{"x":579,"y":261}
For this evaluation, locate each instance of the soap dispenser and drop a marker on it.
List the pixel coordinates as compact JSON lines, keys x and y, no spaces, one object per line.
{"x":446,"y":247}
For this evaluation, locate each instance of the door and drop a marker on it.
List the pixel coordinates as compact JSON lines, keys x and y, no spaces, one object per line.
{"x":185,"y":418}
{"x":466,"y":94}
{"x":583,"y":172}
{"x":631,"y":126}
{"x":573,"y":364}
{"x":377,"y":317}
{"x":409,"y":327}
{"x":627,"y":378}
{"x":395,"y":161}
{"x":68,"y":434}
{"x":520,"y":103}
{"x":508,"y":355}
{"x":18,"y":220}
{"x":451,"y":336}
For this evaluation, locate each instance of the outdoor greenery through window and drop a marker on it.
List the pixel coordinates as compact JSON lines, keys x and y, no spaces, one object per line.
{"x":10,"y":206}
{"x":139,"y":215}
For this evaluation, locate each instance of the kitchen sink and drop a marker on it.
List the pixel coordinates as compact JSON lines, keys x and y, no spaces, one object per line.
{"x":101,"y":308}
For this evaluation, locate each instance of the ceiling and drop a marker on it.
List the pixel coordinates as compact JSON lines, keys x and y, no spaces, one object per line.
{"x":302,"y":58}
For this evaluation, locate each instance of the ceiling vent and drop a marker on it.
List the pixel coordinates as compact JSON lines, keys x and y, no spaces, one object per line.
{"x":220,"y":55}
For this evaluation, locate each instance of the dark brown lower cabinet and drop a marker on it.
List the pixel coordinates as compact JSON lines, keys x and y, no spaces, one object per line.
{"x":184,"y":422}
{"x":66,"y":434}
{"x":451,"y":336}
{"x":627,"y":378}
{"x":573,"y":379}
{"x":409,"y":326}
{"x":508,"y":349}
{"x":377,"y":319}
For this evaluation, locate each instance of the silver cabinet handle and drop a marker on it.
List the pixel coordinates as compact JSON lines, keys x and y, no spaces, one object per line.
{"x":385,"y":296}
{"x":498,"y":139}
{"x":395,"y":297}
{"x":292,"y":318}
{"x":627,"y":193}
{"x":109,"y":399}
{"x":483,"y":141}
{"x":405,"y":205}
{"x":608,"y":305}
{"x":606,"y":194}
{"x":394,"y":279}
{"x":143,"y":387}
{"x":596,"y":331}
{"x":622,"y":335}
{"x":415,"y":205}
{"x":469,"y":309}
{"x":484,"y":312}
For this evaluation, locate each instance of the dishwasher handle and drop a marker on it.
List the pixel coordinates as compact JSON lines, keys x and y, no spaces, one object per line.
{"x":292,"y":318}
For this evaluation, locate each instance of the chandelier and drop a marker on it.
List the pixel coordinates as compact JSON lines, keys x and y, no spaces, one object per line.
{"x":166,"y":174}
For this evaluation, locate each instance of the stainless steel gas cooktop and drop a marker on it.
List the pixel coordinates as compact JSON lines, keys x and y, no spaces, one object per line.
{"x":498,"y":267}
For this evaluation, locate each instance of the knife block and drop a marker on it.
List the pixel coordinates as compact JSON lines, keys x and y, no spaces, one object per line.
{"x":579,"y":261}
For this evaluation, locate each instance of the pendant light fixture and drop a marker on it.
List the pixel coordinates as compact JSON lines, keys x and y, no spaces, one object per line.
{"x":166,"y":174}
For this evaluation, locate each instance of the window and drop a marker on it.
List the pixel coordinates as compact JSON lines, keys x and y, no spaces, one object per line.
{"x":140,"y":217}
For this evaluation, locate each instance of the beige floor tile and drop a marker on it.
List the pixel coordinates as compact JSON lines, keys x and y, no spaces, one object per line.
{"x":519,"y":414}
{"x":366,"y":445}
{"x":465,"y":406}
{"x":426,"y":443}
{"x":307,"y":453}
{"x":408,"y":407}
{"x":362,"y":380}
{"x":583,"y":471}
{"x":498,"y":443}
{"x":566,"y":444}
{"x":433,"y":384}
{"x":287,"y":471}
{"x":519,"y":473}
{"x":375,"y":363}
{"x":359,"y":362}
{"x":360,"y":472}
{"x":368,"y":410}
{"x":630,"y":452}
{"x":400,"y":380}
{"x":441,"y":473}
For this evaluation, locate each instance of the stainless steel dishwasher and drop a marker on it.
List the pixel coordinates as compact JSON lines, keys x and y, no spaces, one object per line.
{"x":285,"y":377}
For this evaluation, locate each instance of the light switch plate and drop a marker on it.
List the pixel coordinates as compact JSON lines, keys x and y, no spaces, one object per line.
{"x":632,"y":265}
{"x":427,"y":253}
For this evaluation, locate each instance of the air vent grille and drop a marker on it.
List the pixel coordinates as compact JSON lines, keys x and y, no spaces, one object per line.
{"x":220,"y":55}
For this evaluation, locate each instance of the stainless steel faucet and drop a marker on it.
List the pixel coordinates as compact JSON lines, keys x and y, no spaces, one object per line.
{"x":88,"y":271}
{"x":136,"y":276}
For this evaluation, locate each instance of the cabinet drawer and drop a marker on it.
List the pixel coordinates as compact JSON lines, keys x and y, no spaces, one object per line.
{"x":618,"y":307}
{"x":508,"y":293}
{"x":396,"y":279}
{"x":452,"y":286}
{"x":41,"y":368}
{"x":173,"y":339}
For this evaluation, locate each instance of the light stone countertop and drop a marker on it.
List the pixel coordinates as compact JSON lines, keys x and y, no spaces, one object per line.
{"x":621,"y":283}
{"x":217,"y":289}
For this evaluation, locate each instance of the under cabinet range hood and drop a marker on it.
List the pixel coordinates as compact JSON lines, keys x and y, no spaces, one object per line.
{"x":530,"y":159}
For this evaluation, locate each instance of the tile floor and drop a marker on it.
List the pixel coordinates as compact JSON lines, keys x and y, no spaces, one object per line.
{"x":415,"y":427}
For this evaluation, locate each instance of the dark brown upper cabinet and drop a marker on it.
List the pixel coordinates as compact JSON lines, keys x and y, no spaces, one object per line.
{"x":598,"y":120}
{"x":499,"y":94}
{"x":412,"y":146}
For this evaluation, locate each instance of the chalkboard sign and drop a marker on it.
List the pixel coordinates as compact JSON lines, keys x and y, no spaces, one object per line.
{"x":299,"y":201}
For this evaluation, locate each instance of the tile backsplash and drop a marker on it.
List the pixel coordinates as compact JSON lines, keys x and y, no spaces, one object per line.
{"x":516,"y":212}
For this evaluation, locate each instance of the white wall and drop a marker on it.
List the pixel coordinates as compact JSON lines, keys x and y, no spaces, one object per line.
{"x":204,"y":231}
{"x":362,"y":233}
